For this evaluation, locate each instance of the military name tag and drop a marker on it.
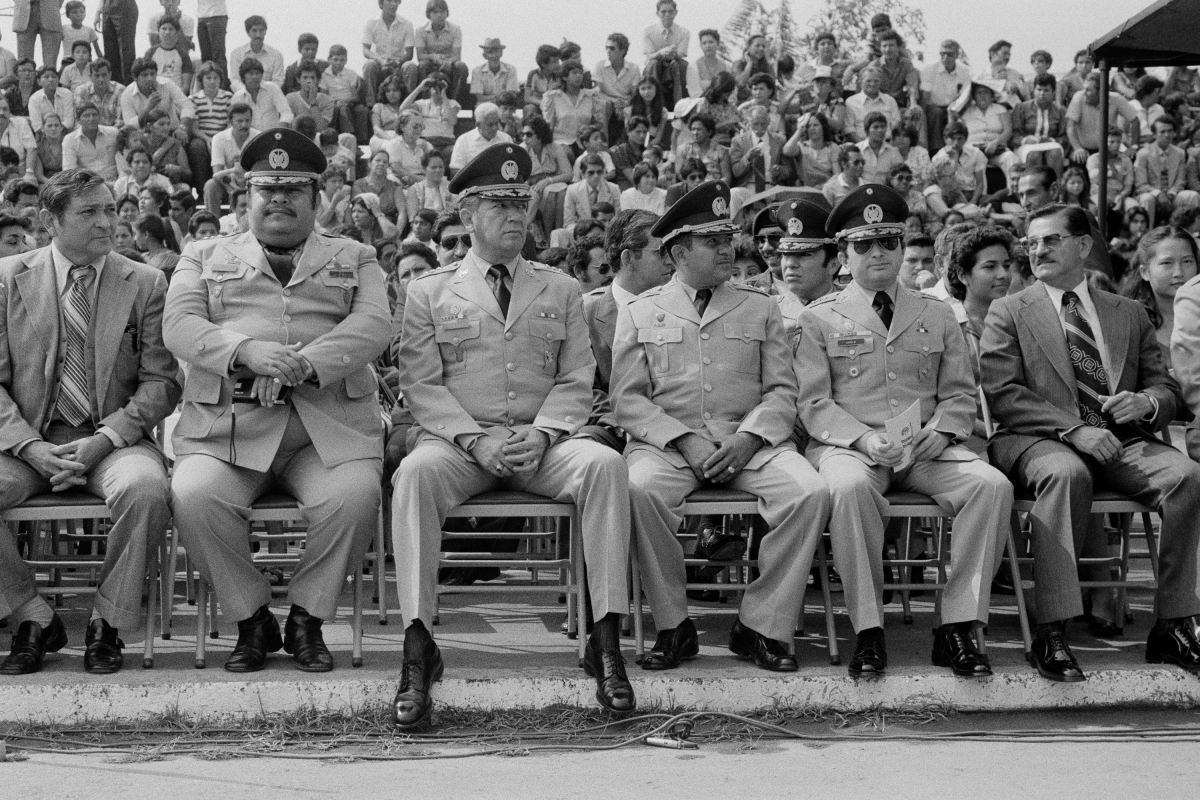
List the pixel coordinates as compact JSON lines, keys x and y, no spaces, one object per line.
{"x":341,"y":274}
{"x":852,"y":341}
{"x":227,"y":267}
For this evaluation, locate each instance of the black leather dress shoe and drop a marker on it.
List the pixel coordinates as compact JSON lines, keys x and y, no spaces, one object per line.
{"x":30,"y":644}
{"x":954,"y":647}
{"x":1174,"y":642}
{"x":257,"y":636}
{"x":607,"y":666}
{"x":1101,"y":628}
{"x":870,"y":654}
{"x":767,"y":653}
{"x":103,"y":653}
{"x":1052,"y":655}
{"x":303,"y":640}
{"x":717,"y":546}
{"x":413,"y":702}
{"x":673,"y":646}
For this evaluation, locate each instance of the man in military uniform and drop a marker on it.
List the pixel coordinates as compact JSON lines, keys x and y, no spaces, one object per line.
{"x":865,"y":355}
{"x":807,"y":257}
{"x":703,"y":384}
{"x":278,"y":327}
{"x":497,"y":370}
{"x":767,"y":233}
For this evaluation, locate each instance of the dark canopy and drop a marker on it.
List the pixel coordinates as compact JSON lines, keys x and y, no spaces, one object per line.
{"x":1163,"y":35}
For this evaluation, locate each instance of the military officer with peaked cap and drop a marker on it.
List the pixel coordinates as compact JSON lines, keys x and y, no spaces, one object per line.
{"x":865,"y":355}
{"x":278,"y":328}
{"x":807,"y":259}
{"x":703,"y":383}
{"x":497,"y":367}
{"x":766,"y":232}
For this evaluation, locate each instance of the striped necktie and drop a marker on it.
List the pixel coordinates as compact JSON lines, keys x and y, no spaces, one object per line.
{"x":1091,"y":379}
{"x":74,"y":401}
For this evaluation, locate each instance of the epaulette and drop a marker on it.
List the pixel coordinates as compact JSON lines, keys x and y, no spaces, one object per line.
{"x":745,"y":287}
{"x":823,"y":300}
{"x":438,"y":271}
{"x":597,"y":292}
{"x":651,"y":292}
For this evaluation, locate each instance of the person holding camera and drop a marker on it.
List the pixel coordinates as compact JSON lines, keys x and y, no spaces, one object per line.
{"x":278,"y":327}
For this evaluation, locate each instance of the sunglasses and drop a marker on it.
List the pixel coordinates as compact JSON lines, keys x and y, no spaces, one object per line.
{"x":526,"y":134}
{"x":451,"y":242}
{"x":772,"y":239}
{"x":886,"y":242}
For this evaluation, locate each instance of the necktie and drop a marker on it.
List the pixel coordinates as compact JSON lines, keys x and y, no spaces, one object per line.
{"x":883,"y":307}
{"x":74,"y":403}
{"x":498,"y":273}
{"x":701,"y":301}
{"x":282,"y":264}
{"x":1164,"y":177}
{"x":1091,"y":379}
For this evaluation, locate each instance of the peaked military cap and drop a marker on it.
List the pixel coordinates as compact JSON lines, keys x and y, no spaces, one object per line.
{"x":501,"y":172}
{"x":703,"y":210}
{"x":803,"y":224}
{"x":765,"y":220}
{"x":282,"y":157}
{"x":869,"y":212}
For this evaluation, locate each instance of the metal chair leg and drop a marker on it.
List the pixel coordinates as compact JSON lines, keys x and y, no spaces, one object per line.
{"x":356,"y":658}
{"x":1018,"y":588}
{"x":827,"y":595}
{"x":201,"y":622}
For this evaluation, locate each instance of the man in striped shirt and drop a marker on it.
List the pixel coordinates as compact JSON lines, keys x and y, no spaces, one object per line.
{"x":211,"y":104}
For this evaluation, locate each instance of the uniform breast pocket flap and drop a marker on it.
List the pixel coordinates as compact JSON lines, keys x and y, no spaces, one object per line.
{"x":660,"y":336}
{"x":222,"y":271}
{"x":343,"y":278}
{"x":850,"y":345}
{"x":551,"y":330}
{"x":924,"y":345}
{"x":659,"y":354}
{"x":747,"y":332}
{"x":456,"y":331}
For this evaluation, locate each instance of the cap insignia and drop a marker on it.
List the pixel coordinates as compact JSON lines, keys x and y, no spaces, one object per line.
{"x":278,"y":158}
{"x":873,"y":214}
{"x":278,"y":136}
{"x":509,"y":171}
{"x":720,"y":207}
{"x":795,"y":227}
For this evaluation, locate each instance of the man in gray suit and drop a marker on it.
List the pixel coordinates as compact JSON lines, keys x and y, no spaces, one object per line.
{"x":84,"y":378}
{"x":1076,"y":378}
{"x":34,"y":17}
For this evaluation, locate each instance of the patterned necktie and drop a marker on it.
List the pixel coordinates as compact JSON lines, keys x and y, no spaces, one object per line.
{"x":282,"y":263}
{"x":74,"y":401}
{"x":498,"y":273}
{"x":883,"y":307}
{"x":701,"y":301}
{"x":1091,"y":379}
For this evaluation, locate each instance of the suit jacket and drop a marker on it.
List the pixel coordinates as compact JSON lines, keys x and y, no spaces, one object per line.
{"x":1025,"y":122}
{"x":600,"y":314}
{"x":223,"y":293}
{"x":1147,"y":169}
{"x":676,"y":373}
{"x":49,"y":15}
{"x":855,"y":374}
{"x":744,"y":174}
{"x":134,"y":375}
{"x":1027,"y":375}
{"x":576,"y":206}
{"x":465,"y":368}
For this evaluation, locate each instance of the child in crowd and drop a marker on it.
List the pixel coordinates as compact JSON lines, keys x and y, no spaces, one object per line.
{"x":77,"y":73}
{"x":75,"y":31}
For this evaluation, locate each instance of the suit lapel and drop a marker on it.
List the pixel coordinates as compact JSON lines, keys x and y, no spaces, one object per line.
{"x":606,"y":314}
{"x":1116,"y":333}
{"x":908,"y":311}
{"x":527,"y":284}
{"x":317,"y":254}
{"x":675,"y":299}
{"x":1039,"y":313}
{"x":852,"y":303}
{"x":38,"y":287}
{"x":724,"y":299}
{"x":468,"y":283}
{"x":245,"y":248}
{"x":114,"y":297}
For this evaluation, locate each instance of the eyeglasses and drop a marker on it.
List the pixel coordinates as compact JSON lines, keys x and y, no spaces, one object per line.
{"x":610,"y":47}
{"x":888,"y":243}
{"x":526,"y":134}
{"x":452,"y":242}
{"x":1052,"y":241}
{"x":594,"y":172}
{"x":772,"y":239}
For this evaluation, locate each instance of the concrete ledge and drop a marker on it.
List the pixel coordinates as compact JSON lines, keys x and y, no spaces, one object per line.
{"x":230,"y":701}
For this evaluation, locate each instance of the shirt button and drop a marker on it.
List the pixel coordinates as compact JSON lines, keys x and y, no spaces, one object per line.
{"x":287,"y":317}
{"x":512,"y":395}
{"x":707,"y":360}
{"x":925,"y":348}
{"x":570,"y":418}
{"x":708,"y":387}
{"x":824,"y":434}
{"x":200,"y":346}
{"x":287,"y":292}
{"x":924,"y":372}
{"x":510,"y":423}
{"x":708,"y":415}
{"x":345,"y":359}
{"x":704,"y":336}
{"x":852,"y":352}
{"x":441,"y":427}
{"x":891,"y":349}
{"x":508,"y":337}
{"x":642,"y":433}
{"x":891,"y":376}
{"x":895,"y":402}
{"x":510,"y":366}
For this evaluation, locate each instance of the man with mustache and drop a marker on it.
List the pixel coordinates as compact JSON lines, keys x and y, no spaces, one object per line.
{"x":278,"y":327}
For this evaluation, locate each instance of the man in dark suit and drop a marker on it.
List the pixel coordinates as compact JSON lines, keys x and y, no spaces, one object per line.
{"x":1076,"y":378}
{"x":84,"y":378}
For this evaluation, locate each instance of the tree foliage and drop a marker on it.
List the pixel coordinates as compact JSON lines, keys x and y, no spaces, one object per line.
{"x":850,"y":22}
{"x":752,"y":17}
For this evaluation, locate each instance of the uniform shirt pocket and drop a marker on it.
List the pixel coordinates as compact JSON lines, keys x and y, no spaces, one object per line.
{"x":340,"y":284}
{"x":224,"y":281}
{"x":743,"y":345}
{"x":659,"y":344}
{"x":548,"y":336}
{"x":923,"y":355}
{"x":458,"y":341}
{"x":845,"y":352}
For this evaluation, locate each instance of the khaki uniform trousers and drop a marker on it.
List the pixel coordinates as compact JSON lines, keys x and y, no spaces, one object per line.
{"x":437,"y":476}
{"x":793,"y":500}
{"x":211,"y":500}
{"x":980,"y":498}
{"x":133,"y":483}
